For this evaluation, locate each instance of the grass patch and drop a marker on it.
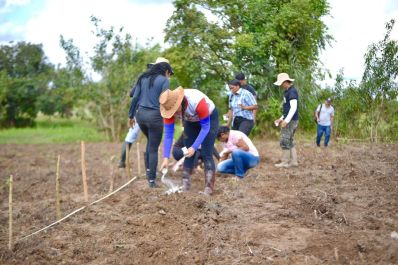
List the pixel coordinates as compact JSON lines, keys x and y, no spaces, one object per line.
{"x":52,"y":130}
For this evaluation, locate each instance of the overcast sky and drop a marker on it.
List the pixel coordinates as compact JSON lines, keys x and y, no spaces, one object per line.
{"x":354,"y":25}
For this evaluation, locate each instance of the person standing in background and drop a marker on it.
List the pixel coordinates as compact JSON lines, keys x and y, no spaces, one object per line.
{"x":241,"y":106}
{"x":324,"y":114}
{"x":288,"y":121}
{"x":245,"y":85}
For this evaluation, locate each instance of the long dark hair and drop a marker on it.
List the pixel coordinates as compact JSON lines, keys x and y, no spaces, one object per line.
{"x":154,"y":71}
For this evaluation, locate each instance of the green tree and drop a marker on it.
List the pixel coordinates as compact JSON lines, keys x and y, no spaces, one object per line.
{"x":118,"y":61}
{"x":260,"y":38}
{"x":24,"y":76}
{"x":379,"y":82}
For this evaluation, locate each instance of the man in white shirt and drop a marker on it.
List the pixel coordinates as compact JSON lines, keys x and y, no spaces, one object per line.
{"x":324,"y":115}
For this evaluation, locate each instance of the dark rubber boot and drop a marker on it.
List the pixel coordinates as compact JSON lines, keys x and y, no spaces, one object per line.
{"x":122,"y":162}
{"x":186,"y":179}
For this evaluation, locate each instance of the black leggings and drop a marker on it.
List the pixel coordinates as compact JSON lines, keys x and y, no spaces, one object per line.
{"x":151,"y":124}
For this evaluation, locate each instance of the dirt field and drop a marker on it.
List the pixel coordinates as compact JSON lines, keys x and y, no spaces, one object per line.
{"x":339,"y":207}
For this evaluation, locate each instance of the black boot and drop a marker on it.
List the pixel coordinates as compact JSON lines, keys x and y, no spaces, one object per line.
{"x":122,"y":162}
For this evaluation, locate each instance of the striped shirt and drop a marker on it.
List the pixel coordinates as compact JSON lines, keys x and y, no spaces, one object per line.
{"x":245,"y":98}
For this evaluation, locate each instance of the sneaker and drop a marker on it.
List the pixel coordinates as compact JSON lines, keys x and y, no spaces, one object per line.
{"x":152,"y":184}
{"x":121,"y":165}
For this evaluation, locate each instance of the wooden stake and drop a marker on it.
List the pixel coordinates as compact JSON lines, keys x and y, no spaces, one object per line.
{"x":112,"y":173}
{"x":57,"y":195}
{"x":83,"y":151}
{"x":128,"y":162}
{"x":10,"y":214}
{"x":138,"y":159}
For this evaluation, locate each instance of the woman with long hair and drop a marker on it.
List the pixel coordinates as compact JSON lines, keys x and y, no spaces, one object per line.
{"x":145,"y":109}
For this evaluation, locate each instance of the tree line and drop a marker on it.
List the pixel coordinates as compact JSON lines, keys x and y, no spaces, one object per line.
{"x":259,"y":38}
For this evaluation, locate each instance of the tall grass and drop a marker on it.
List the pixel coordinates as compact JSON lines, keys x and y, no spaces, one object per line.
{"x":52,"y":130}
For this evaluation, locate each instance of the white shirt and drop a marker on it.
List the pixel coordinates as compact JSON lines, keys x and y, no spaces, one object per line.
{"x":234,"y":137}
{"x":325,"y":115}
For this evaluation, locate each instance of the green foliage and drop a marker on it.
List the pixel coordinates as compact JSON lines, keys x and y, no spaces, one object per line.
{"x":24,"y":76}
{"x":119,"y":63}
{"x":369,"y":110}
{"x":379,"y":81}
{"x":260,"y":38}
{"x":52,"y":130}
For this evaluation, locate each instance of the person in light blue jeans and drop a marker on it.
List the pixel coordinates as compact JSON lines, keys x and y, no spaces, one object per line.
{"x":325,"y":116}
{"x":131,"y":137}
{"x":243,"y":154}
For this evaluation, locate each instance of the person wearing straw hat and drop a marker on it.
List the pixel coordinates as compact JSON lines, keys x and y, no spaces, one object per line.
{"x":200,"y":120}
{"x":289,"y":121}
{"x":145,"y":109}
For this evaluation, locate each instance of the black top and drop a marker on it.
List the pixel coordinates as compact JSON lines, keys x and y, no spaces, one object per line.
{"x":290,"y":94}
{"x":148,"y":97}
{"x":251,"y":89}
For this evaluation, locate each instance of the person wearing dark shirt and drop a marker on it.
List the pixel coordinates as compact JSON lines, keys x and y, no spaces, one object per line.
{"x":145,"y":109}
{"x":245,"y":85}
{"x":289,"y":121}
{"x":179,"y":154}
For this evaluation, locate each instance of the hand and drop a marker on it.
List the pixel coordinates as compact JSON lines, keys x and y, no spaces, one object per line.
{"x":132,"y":122}
{"x":283,"y":124}
{"x":276,"y":122}
{"x":165,"y":163}
{"x":191,"y":152}
{"x":241,"y":106}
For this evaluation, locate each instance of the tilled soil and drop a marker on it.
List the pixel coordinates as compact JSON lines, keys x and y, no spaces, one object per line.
{"x":339,"y":206}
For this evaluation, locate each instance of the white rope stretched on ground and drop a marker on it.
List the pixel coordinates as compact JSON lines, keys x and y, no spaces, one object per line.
{"x":78,"y":210}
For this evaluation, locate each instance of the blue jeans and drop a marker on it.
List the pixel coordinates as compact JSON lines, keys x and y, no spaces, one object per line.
{"x":240,"y":162}
{"x":319,"y":132}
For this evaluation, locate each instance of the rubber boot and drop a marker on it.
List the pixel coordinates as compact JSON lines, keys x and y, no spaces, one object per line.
{"x":293,"y":157}
{"x":186,"y":179}
{"x":285,"y":159}
{"x":210,"y":179}
{"x":122,"y":162}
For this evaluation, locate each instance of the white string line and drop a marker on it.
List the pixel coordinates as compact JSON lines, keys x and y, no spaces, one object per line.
{"x":78,"y":210}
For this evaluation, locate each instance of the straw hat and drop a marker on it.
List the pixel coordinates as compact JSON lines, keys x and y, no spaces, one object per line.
{"x":282,"y":78}
{"x":170,"y":100}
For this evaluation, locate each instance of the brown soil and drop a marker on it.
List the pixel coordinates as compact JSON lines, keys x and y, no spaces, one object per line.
{"x":339,"y":206}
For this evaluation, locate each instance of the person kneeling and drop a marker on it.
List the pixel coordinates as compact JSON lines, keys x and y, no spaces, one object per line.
{"x":244,"y":154}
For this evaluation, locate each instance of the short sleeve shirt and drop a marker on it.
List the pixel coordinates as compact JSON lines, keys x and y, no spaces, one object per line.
{"x":245,"y":98}
{"x":290,"y":94}
{"x":234,"y":137}
{"x":325,"y":115}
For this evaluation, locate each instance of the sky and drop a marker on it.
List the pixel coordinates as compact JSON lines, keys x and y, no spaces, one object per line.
{"x":354,"y":25}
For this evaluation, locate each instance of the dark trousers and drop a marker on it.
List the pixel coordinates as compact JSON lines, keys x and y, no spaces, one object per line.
{"x":151,"y":124}
{"x":242,"y":124}
{"x":191,"y":131}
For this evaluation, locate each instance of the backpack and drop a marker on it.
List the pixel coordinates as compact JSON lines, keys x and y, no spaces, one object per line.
{"x":320,"y":108}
